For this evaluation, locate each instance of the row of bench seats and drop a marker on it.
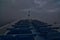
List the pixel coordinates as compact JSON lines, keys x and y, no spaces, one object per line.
{"x":17,"y":37}
{"x":19,"y":31}
{"x":22,"y":22}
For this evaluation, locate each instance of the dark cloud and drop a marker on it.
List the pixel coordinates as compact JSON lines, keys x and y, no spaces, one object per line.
{"x":44,"y":10}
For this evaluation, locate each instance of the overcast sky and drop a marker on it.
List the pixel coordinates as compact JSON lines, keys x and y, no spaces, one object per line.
{"x":44,"y":10}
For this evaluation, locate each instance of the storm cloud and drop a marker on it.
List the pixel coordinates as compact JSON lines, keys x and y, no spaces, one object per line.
{"x":44,"y":10}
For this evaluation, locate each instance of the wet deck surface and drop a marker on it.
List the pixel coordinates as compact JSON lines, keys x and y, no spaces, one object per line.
{"x":29,"y":30}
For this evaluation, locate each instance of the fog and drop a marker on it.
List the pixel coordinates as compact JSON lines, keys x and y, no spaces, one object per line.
{"x":44,"y":10}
